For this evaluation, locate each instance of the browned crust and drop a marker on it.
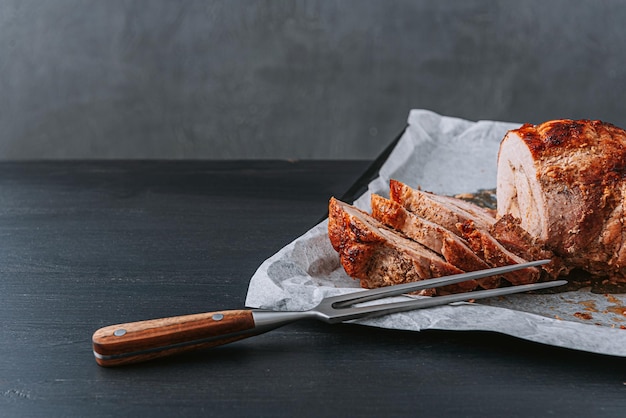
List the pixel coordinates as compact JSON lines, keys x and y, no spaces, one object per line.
{"x":583,"y":164}
{"x":554,"y":143}
{"x":589,"y":157}
{"x":508,"y":232}
{"x":378,"y":257}
{"x":495,"y":254}
{"x":554,"y":137}
{"x":444,"y":211}
{"x":453,"y":248}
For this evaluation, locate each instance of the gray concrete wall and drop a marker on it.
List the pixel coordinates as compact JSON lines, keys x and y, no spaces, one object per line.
{"x":292,"y":79}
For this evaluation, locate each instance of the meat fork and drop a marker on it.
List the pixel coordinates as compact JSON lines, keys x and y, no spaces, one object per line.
{"x":134,"y":342}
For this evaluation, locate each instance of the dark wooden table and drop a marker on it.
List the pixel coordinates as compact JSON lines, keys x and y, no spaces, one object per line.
{"x":88,"y":244}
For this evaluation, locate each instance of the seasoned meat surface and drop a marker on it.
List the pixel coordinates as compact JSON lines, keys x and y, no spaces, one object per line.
{"x":495,"y":254}
{"x":508,"y":232}
{"x":378,"y":256}
{"x":565,"y":180}
{"x":561,"y":192}
{"x":469,"y":221}
{"x":439,"y":239}
{"x":442,"y":210}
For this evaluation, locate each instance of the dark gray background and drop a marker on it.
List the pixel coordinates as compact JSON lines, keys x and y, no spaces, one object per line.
{"x":292,"y":79}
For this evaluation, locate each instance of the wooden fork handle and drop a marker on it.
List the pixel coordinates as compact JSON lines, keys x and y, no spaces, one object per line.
{"x":134,"y":342}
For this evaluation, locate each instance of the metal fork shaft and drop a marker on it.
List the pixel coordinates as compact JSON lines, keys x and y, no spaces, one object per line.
{"x":144,"y":340}
{"x":347,"y":314}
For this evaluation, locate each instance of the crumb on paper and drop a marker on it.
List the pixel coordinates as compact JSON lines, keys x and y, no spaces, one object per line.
{"x":611,"y":298}
{"x":583,"y":315}
{"x":590,"y":305}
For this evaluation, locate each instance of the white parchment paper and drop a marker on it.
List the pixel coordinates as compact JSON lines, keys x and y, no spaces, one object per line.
{"x":444,"y":155}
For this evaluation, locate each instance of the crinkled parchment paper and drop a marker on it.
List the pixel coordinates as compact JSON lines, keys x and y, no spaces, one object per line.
{"x":448,"y":156}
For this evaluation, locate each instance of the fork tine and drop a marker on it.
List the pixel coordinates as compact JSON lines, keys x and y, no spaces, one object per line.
{"x":347,"y":314}
{"x":349,"y":299}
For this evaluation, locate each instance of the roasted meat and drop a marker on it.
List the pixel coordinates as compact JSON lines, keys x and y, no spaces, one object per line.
{"x":453,"y":248}
{"x":565,"y":181}
{"x":469,"y":221}
{"x":395,"y":245}
{"x":508,"y":232}
{"x":561,"y":193}
{"x":378,"y":256}
{"x":495,"y":254}
{"x":442,"y":210}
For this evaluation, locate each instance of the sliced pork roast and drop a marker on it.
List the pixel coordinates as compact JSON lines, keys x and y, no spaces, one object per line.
{"x":508,"y":232}
{"x":561,"y":193}
{"x":495,"y":254}
{"x":378,"y":256}
{"x":469,"y":221}
{"x":453,"y":248}
{"x":565,"y":181}
{"x":442,"y":210}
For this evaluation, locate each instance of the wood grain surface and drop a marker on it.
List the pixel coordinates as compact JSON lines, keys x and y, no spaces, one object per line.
{"x":134,"y":342}
{"x":88,"y":244}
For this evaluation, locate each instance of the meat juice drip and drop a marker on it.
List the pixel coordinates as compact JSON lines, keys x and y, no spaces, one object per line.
{"x":614,"y":307}
{"x":583,"y":315}
{"x":588,"y":310}
{"x":617,"y":307}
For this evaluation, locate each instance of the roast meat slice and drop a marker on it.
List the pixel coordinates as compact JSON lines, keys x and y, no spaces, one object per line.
{"x":439,"y":239}
{"x":496,"y":255}
{"x":565,"y":180}
{"x":378,"y":256}
{"x":508,"y":232}
{"x":469,"y":221}
{"x":445,"y":211}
